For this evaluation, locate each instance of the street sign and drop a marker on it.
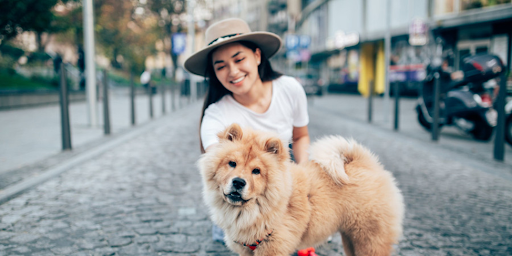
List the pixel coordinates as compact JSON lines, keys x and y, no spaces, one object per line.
{"x":179,"y":43}
{"x":292,"y":41}
{"x":304,"y":41}
{"x":418,"y":32}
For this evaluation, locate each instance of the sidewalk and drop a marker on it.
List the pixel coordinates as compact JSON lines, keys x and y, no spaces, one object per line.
{"x":140,"y":194}
{"x":31,"y":137}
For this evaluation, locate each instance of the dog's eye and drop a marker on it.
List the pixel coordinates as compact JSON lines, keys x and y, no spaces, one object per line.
{"x":256,"y":171}
{"x":232,"y":164}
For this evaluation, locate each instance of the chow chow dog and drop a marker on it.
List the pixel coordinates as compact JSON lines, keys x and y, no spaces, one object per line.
{"x":268,"y":205}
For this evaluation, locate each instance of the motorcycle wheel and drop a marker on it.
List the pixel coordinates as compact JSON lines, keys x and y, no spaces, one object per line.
{"x":508,"y":129}
{"x":424,"y":123}
{"x":482,"y":131}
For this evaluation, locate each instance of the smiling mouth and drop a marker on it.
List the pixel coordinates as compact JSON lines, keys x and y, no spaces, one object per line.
{"x":237,"y":80}
{"x":235,"y":197}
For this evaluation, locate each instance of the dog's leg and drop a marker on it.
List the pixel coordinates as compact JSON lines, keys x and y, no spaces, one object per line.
{"x":348,"y":247}
{"x":366,"y":245}
{"x":282,"y":243}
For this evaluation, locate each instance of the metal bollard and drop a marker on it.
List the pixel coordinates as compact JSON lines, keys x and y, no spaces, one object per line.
{"x":162,"y":88}
{"x":499,"y":139}
{"x":132,"y":99}
{"x":435,"y":121}
{"x":173,"y":98}
{"x":106,"y":111}
{"x":397,"y":104}
{"x":370,"y":99}
{"x":150,"y":94}
{"x":64,"y":110}
{"x":179,"y":87}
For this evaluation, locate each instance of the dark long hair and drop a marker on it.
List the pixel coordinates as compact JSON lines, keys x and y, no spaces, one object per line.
{"x":216,"y":90}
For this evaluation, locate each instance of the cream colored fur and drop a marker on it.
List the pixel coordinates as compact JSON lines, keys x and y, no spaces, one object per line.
{"x":342,"y":189}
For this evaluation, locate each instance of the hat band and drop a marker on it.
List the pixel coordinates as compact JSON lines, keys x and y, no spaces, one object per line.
{"x":222,"y":38}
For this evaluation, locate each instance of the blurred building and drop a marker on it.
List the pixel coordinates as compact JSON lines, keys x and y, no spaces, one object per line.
{"x":253,"y":12}
{"x":465,"y":27}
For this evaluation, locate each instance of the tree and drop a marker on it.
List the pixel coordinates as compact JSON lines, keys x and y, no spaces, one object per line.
{"x":170,"y":13}
{"x":121,"y":32}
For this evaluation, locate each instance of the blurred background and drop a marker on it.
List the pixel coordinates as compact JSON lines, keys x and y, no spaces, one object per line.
{"x":330,"y":46}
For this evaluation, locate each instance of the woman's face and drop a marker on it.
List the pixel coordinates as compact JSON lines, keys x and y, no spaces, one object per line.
{"x":236,"y":67}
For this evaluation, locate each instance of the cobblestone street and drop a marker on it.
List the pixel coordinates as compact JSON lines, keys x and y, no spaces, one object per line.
{"x":143,"y":197}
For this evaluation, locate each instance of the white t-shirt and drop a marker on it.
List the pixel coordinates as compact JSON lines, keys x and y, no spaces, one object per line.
{"x":288,"y":108}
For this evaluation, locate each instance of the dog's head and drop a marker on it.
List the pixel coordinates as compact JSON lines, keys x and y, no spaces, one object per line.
{"x":244,"y":166}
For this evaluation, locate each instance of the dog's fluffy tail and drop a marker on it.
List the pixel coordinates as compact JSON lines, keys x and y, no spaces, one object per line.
{"x":333,"y":152}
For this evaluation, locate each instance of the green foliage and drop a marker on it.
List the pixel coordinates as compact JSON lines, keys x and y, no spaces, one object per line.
{"x":11,"y":51}
{"x":28,"y":15}
{"x":52,"y":81}
{"x":119,"y":78}
{"x":17,"y":82}
{"x":7,"y":64}
{"x":38,"y":57}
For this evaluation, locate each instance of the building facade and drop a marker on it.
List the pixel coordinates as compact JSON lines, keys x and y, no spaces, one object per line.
{"x":461,"y":26}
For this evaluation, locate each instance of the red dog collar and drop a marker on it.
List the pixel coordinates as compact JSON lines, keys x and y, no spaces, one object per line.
{"x":255,"y":244}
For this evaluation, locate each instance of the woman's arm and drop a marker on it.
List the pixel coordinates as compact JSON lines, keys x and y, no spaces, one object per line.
{"x":300,"y":144}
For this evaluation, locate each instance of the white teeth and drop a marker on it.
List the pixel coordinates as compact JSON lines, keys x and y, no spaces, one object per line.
{"x":238,"y":80}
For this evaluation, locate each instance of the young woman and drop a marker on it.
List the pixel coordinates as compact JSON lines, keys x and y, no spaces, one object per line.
{"x":244,"y":89}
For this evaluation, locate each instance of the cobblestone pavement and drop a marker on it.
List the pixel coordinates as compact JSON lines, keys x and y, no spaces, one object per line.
{"x":144,"y":198}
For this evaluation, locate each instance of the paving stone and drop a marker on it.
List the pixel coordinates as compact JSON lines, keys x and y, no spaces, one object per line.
{"x":119,"y":241}
{"x":5,"y":226}
{"x":216,"y":247}
{"x":43,"y":243}
{"x":89,"y":244}
{"x":22,"y":249}
{"x":11,"y":218}
{"x":146,"y":231}
{"x":64,"y":250}
{"x":24,"y":238}
{"x":147,"y":239}
{"x":44,"y":253}
{"x":6,"y":235}
{"x":106,"y":251}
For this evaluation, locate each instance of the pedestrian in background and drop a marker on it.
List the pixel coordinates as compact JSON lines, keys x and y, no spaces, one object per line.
{"x":145,"y":79}
{"x":244,"y":89}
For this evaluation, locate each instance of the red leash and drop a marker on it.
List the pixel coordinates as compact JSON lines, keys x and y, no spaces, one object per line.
{"x":307,"y":252}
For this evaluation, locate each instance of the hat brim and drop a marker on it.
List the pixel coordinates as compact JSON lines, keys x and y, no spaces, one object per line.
{"x":269,"y":44}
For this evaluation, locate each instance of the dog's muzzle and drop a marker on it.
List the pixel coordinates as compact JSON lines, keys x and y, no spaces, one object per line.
{"x":237,"y":186}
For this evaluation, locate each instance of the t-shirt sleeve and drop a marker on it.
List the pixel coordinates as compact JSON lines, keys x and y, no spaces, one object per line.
{"x":211,"y":125}
{"x":300,"y":110}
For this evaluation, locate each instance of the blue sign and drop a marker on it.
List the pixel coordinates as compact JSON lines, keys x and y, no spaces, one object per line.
{"x":179,"y":43}
{"x":292,"y":41}
{"x":304,"y":41}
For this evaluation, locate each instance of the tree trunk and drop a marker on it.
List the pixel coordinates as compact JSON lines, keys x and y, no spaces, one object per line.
{"x":39,"y":41}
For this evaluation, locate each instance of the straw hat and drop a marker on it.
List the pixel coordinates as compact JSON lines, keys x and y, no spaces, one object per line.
{"x":228,"y":31}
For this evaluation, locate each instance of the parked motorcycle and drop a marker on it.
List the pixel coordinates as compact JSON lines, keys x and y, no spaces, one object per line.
{"x":467,"y":103}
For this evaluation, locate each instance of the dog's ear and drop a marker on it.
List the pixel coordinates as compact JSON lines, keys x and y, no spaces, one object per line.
{"x":274,"y":146}
{"x":232,"y":133}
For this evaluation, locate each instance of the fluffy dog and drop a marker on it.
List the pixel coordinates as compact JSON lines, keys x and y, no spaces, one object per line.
{"x":268,"y":205}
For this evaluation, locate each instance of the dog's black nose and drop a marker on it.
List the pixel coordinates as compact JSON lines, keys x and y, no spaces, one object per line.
{"x":238,"y":183}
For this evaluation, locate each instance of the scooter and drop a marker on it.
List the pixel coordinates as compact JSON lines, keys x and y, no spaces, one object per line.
{"x":466,"y":103}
